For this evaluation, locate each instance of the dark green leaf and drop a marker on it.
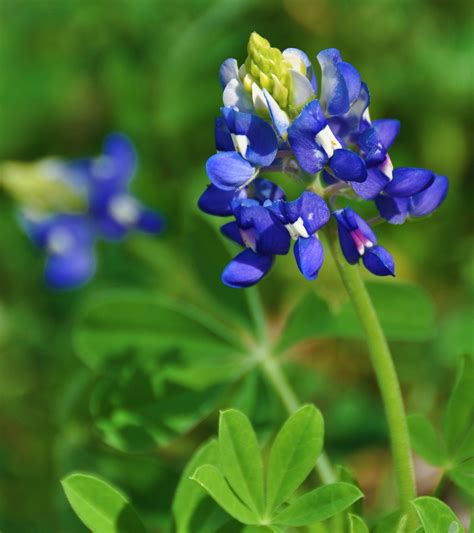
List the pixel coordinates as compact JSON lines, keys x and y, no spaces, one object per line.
{"x":293,"y":454}
{"x":120,"y":322}
{"x":240,"y":458}
{"x":99,"y":505}
{"x":426,"y":441}
{"x":212,"y":480}
{"x":319,"y":504}
{"x":436,"y":516}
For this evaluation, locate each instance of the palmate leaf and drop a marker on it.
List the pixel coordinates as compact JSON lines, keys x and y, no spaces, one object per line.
{"x":118,"y":322}
{"x":426,"y":441}
{"x":240,"y":459}
{"x":293,"y":454}
{"x":137,"y":411}
{"x":437,"y":516}
{"x":188,"y":495}
{"x":319,"y":504}
{"x":100,"y":506}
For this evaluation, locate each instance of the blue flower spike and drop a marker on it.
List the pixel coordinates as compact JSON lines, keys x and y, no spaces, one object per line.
{"x":274,"y":120}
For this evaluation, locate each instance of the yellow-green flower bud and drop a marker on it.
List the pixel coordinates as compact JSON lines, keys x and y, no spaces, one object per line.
{"x":266,"y":67}
{"x":41,"y":186}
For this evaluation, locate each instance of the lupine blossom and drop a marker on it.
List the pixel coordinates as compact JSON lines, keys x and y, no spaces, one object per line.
{"x":274,"y":120}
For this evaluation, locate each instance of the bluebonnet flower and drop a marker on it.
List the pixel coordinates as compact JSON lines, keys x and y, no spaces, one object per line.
{"x":274,"y":120}
{"x":66,"y":206}
{"x":358,"y":240}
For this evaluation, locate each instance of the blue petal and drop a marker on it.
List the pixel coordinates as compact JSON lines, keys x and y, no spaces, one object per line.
{"x":334,"y":92}
{"x":371,"y":187}
{"x":246,"y":269}
{"x":150,"y":221}
{"x":222,"y":136}
{"x":409,"y":181}
{"x":71,"y":270}
{"x":387,"y":130}
{"x":351,"y":78}
{"x":328,"y":178}
{"x":378,"y":261}
{"x":348,"y":166}
{"x":352,"y":123}
{"x":301,"y":136}
{"x":110,"y":229}
{"x":311,"y":208}
{"x":264,"y":190}
{"x":121,"y":158}
{"x":348,"y":246}
{"x":262,"y":142}
{"x":229,"y":171}
{"x":427,"y":201}
{"x":372,"y":147}
{"x":231,"y":231}
{"x":215,"y":201}
{"x":271,"y":236}
{"x":309,"y":255}
{"x":395,"y":210}
{"x":229,"y":70}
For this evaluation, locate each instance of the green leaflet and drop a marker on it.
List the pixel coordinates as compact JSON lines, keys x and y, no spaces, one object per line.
{"x":211,"y":479}
{"x":100,"y":506}
{"x":425,"y":440}
{"x":436,"y":516}
{"x":240,"y":459}
{"x":319,"y":504}
{"x":293,"y":454}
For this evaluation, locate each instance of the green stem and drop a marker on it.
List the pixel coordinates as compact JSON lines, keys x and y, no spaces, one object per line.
{"x":271,"y":368}
{"x":384,"y":371}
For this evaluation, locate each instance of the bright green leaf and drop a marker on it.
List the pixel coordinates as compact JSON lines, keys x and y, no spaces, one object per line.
{"x":240,"y":458}
{"x":463,"y":475}
{"x":293,"y":454}
{"x":357,"y":525}
{"x":459,"y":411}
{"x":319,"y":504}
{"x":100,"y":506}
{"x":436,"y":516}
{"x":188,"y":495}
{"x":425,"y":440}
{"x":212,"y":480}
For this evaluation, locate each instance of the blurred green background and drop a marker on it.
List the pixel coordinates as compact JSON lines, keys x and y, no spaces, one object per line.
{"x":73,"y":70}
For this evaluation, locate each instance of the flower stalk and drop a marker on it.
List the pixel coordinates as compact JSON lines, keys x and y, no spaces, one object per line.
{"x":385,"y":373}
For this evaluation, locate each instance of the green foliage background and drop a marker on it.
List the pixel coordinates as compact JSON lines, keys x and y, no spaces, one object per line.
{"x":70,"y":72}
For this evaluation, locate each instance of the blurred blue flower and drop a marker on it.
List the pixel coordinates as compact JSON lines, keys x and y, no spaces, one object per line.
{"x":66,"y":206}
